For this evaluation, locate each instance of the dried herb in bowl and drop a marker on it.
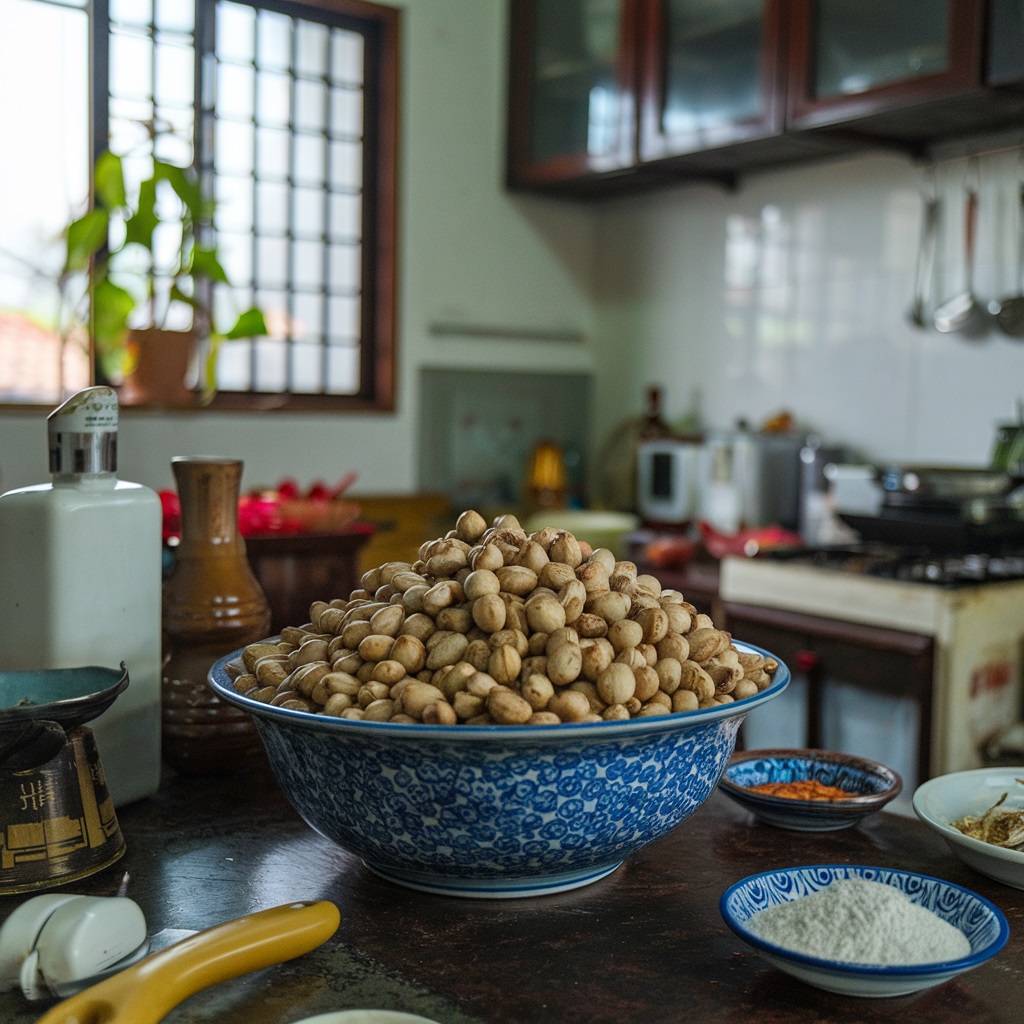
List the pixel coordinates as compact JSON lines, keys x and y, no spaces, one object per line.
{"x":999,"y":828}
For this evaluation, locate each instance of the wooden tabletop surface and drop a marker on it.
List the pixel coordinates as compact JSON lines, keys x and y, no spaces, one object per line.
{"x":646,"y":944}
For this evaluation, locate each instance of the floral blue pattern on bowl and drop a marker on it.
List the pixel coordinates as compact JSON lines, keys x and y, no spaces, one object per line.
{"x":496,"y":810}
{"x":871,"y":786}
{"x":982,"y":923}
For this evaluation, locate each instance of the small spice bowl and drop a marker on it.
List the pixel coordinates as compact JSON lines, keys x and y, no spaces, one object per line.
{"x":948,"y":798}
{"x":982,"y":923}
{"x":868,"y":784}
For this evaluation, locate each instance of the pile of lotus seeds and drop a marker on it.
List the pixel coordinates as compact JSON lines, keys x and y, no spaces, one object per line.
{"x":492,"y":625}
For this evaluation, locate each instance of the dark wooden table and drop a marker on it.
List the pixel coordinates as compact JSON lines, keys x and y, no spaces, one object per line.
{"x":646,"y":944}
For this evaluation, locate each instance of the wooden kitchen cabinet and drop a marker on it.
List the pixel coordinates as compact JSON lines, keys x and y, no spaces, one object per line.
{"x":607,"y":96}
{"x":1006,"y":43}
{"x":828,"y":652}
{"x":910,"y":75}
{"x":711,"y":74}
{"x":571,"y":91}
{"x":712,"y":89}
{"x":676,"y":89}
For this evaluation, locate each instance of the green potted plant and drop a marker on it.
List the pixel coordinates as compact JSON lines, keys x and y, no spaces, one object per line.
{"x":117,"y":279}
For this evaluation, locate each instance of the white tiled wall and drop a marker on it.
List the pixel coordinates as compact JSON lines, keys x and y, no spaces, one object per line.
{"x":792,"y":294}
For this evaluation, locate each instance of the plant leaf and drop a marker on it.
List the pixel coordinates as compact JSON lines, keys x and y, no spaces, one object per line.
{"x":140,"y":225}
{"x":250,"y":324}
{"x":186,"y":186}
{"x":205,"y":264}
{"x":86,"y":236}
{"x":177,"y":295}
{"x":108,"y":180}
{"x":210,"y":370}
{"x":111,"y":307}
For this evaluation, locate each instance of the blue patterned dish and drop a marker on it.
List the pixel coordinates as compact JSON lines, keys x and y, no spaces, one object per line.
{"x":981,"y":921}
{"x":496,"y":810}
{"x":871,"y":786}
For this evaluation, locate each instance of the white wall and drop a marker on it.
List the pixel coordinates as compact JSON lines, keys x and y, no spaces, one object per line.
{"x":807,"y":313}
{"x":468,"y":252}
{"x":792,"y":294}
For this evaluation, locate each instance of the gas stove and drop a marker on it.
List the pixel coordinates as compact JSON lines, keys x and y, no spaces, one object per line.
{"x":892,"y":586}
{"x":908,"y":565}
{"x":966,"y":610}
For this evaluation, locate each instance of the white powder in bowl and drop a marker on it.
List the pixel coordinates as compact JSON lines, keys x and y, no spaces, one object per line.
{"x":860,"y":922}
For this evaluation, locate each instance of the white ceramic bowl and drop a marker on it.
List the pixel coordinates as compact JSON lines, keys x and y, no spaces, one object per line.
{"x":599,"y":528}
{"x":946,"y":799}
{"x":981,"y":921}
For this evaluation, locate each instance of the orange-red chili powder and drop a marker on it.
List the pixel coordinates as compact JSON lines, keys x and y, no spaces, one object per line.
{"x":804,"y":789}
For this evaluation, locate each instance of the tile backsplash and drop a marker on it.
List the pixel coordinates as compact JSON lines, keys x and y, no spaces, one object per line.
{"x":478,"y":430}
{"x":793,"y":293}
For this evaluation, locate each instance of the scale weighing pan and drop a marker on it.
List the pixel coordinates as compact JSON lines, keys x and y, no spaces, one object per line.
{"x":67,"y":696}
{"x":57,"y":820}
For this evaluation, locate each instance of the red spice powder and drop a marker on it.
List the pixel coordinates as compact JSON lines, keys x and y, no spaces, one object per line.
{"x":804,"y":789}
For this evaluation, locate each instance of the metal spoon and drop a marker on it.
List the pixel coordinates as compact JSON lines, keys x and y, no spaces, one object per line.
{"x":925,"y":270}
{"x":1009,"y":312}
{"x":963,"y":313}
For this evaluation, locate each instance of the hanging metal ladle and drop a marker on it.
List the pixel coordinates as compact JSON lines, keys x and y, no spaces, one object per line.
{"x":924,"y":273}
{"x":1009,"y":312}
{"x":963,"y":313}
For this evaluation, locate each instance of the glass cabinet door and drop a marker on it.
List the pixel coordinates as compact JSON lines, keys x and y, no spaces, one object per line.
{"x":571,"y":96}
{"x":1006,"y":42}
{"x":850,"y":57}
{"x":712,"y":74}
{"x":859,"y":47}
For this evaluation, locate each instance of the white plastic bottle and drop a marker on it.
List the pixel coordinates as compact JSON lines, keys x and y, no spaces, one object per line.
{"x":80,"y":582}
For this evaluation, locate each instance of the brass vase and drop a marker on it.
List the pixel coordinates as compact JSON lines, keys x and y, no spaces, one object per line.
{"x":212,"y":605}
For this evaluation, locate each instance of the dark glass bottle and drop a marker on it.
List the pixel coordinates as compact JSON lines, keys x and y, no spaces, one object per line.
{"x":654,"y":425}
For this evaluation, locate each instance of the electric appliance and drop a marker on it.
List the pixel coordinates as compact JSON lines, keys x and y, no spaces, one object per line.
{"x":667,"y":480}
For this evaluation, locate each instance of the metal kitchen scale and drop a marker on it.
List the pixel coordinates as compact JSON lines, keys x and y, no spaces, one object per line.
{"x":57,"y":819}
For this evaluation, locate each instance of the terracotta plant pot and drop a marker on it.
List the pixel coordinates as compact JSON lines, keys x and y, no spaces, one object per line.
{"x":162,"y":368}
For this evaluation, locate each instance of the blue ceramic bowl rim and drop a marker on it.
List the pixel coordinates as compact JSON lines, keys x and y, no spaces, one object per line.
{"x":623,"y":729}
{"x":957,"y":966}
{"x":856,"y":801}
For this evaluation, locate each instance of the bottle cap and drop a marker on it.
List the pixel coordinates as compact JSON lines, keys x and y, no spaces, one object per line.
{"x":83,"y":433}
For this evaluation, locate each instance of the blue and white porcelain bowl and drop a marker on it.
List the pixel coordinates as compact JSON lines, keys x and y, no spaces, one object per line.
{"x":496,"y":811}
{"x":981,"y":922}
{"x":871,"y":786}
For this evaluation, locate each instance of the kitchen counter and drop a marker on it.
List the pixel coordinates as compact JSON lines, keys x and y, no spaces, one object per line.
{"x":645,"y":944}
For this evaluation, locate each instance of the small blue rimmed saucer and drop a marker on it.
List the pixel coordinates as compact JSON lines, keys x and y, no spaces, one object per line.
{"x":870,"y":786}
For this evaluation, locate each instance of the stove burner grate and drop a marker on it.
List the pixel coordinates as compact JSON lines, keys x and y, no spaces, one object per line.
{"x":916,"y":565}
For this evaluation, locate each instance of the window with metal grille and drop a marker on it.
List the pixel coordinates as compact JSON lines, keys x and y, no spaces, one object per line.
{"x":289,"y":110}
